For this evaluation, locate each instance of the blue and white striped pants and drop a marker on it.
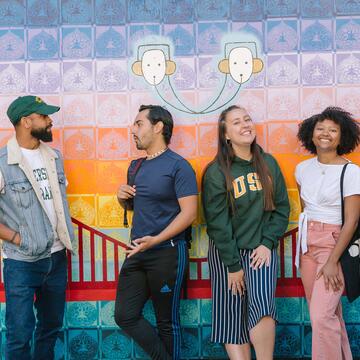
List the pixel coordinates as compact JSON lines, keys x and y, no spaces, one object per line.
{"x":234,"y":315}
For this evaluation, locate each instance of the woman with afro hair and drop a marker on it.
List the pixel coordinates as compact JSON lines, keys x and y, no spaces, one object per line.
{"x":322,"y":240}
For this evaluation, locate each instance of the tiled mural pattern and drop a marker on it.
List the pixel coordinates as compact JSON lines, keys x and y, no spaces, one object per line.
{"x":78,"y":54}
{"x":90,"y":331}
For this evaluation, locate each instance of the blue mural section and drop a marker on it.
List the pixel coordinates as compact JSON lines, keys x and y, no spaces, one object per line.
{"x":90,"y":332}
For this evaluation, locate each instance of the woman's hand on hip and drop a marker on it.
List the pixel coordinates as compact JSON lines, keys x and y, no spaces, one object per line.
{"x":260,"y":256}
{"x":331,"y":274}
{"x":236,"y":282}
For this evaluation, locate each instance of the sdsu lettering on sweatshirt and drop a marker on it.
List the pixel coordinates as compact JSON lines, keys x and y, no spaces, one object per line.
{"x":249,"y":226}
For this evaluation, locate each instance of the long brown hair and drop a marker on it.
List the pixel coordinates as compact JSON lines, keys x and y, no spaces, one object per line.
{"x":225,"y":156}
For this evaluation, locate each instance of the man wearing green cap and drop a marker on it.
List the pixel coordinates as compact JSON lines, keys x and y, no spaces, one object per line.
{"x":35,"y":226}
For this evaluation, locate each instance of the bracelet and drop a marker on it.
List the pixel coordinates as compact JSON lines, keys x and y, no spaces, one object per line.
{"x":14,"y":236}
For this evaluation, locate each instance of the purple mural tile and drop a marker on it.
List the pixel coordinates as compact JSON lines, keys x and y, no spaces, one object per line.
{"x":76,"y":11}
{"x":348,"y":68}
{"x":316,"y":35}
{"x":12,"y":45}
{"x":348,"y":34}
{"x":43,"y":43}
{"x":347,"y":7}
{"x":208,"y":73}
{"x":317,"y":69}
{"x":182,"y":37}
{"x":44,"y":78}
{"x":349,"y":99}
{"x":209,"y":37}
{"x":178,"y":11}
{"x":212,"y":9}
{"x":12,"y":12}
{"x":144,"y":11}
{"x":12,"y":78}
{"x":282,"y":70}
{"x":282,"y":36}
{"x":281,"y":8}
{"x":77,"y":42}
{"x":247,"y":10}
{"x":139,"y":33}
{"x":185,"y":76}
{"x":110,"y":12}
{"x":77,"y":76}
{"x":42,"y":12}
{"x":111,"y":75}
{"x":315,"y":100}
{"x":110,"y":41}
{"x":317,"y":8}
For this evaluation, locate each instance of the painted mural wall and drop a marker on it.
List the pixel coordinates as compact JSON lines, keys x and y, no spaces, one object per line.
{"x":78,"y":54}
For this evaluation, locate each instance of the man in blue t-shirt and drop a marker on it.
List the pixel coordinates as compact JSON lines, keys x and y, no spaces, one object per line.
{"x":164,"y":195}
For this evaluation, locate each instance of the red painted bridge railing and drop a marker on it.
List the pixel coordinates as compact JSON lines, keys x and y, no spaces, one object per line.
{"x":93,"y":271}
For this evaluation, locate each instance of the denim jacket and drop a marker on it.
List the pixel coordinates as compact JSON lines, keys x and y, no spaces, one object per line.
{"x":22,"y":208}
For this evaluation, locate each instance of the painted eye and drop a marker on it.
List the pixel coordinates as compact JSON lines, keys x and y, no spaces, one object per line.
{"x":159,"y":64}
{"x":235,"y":63}
{"x":246,"y":62}
{"x":148,"y":64}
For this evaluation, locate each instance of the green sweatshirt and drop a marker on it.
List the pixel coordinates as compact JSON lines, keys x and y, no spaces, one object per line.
{"x":250,"y":226}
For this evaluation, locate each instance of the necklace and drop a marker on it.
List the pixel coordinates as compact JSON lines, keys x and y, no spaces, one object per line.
{"x":321,"y":167}
{"x":149,"y":157}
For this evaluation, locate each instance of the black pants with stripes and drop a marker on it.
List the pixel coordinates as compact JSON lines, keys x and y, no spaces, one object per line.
{"x":233,"y":316}
{"x":155,"y":273}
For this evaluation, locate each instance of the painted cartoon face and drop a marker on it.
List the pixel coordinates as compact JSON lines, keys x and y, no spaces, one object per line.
{"x":240,"y":64}
{"x":153,"y":66}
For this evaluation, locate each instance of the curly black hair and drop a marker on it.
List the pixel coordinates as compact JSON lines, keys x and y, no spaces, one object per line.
{"x":349,"y":128}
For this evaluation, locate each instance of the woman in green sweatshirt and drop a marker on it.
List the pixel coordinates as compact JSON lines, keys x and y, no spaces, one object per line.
{"x":246,"y":210}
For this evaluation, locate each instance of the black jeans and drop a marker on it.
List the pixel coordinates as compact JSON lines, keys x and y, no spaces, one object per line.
{"x":158,"y":274}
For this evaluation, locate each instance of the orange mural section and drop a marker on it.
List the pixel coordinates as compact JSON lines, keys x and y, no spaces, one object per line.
{"x":96,"y":160}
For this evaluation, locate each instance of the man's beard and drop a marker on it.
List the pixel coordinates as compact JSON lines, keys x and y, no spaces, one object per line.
{"x":138,"y":144}
{"x":42,"y":134}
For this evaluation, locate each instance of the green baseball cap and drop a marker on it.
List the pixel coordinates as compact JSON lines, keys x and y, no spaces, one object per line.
{"x":26,"y":105}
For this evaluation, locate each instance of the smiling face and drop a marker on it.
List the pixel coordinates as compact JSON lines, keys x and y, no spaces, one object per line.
{"x":326,"y":136}
{"x":240,"y":129}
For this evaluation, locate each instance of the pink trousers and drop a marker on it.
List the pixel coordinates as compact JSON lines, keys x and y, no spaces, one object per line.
{"x":329,"y":337}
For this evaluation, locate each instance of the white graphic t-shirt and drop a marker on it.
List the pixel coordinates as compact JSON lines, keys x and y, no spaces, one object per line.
{"x":36,"y":163}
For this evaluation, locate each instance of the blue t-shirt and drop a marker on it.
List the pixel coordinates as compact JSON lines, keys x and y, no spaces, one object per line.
{"x":160,"y":182}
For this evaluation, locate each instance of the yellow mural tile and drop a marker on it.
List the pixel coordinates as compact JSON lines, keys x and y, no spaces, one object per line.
{"x":82,"y":208}
{"x":110,"y":213}
{"x":295,"y":207}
